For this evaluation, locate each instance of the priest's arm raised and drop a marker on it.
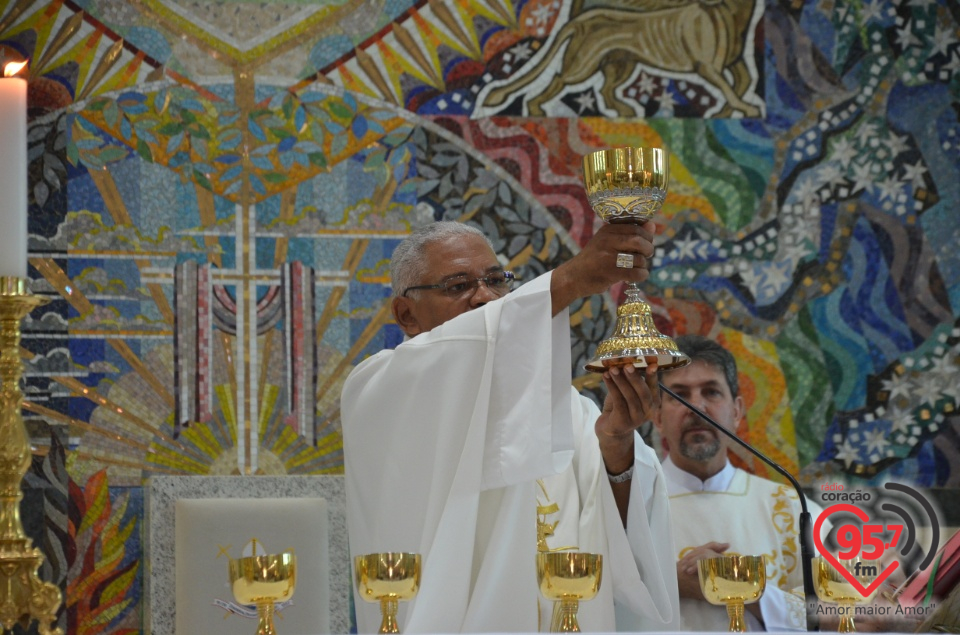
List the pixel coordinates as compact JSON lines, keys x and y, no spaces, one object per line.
{"x":450,"y":439}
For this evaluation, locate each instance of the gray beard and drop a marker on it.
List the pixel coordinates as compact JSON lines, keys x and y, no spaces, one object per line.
{"x":700,"y":451}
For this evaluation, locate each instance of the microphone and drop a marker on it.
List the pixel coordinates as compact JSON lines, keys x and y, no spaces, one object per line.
{"x":806,"y":526}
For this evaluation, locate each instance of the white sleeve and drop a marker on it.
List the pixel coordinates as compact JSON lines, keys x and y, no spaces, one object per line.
{"x":529,"y":402}
{"x":481,"y":401}
{"x":650,"y":533}
{"x":641,"y":571}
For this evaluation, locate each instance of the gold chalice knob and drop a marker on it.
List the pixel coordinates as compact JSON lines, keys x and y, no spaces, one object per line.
{"x":388,"y":578}
{"x":628,"y":185}
{"x":733,"y":581}
{"x":568,"y":577}
{"x":262,"y":581}
{"x":833,"y":587}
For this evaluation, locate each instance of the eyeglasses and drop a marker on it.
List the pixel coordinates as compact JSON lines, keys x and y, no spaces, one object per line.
{"x":498,"y":282}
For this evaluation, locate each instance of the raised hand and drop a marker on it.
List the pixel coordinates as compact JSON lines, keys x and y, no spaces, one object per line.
{"x":633,"y":398}
{"x":595,"y":268}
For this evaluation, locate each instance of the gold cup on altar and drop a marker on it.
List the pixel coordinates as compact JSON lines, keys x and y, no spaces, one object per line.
{"x":388,"y":578}
{"x":263,"y":581}
{"x":734,"y":582}
{"x":568,"y":577}
{"x":629,"y":185}
{"x":834,"y":587}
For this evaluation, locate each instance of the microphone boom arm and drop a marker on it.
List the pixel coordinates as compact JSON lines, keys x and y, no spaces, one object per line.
{"x":806,"y":524}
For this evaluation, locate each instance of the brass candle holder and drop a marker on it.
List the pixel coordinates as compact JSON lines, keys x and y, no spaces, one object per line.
{"x":23,"y":596}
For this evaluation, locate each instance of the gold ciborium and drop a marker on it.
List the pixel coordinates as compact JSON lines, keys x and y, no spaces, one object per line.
{"x":263,"y":581}
{"x":733,"y":581}
{"x":833,"y":587}
{"x":388,"y":578}
{"x":628,"y":185}
{"x":568,"y":577}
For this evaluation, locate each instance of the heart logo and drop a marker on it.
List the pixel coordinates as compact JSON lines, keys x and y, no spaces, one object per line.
{"x":852,"y":579}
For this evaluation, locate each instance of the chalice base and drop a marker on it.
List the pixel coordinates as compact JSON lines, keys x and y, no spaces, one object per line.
{"x":636,"y":340}
{"x":638,"y":358}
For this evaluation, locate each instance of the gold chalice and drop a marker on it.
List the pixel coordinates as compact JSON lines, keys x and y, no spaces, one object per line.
{"x":264,"y":580}
{"x":733,"y":581}
{"x":388,"y":578}
{"x":628,"y":185}
{"x":832,"y":586}
{"x":568,"y":577}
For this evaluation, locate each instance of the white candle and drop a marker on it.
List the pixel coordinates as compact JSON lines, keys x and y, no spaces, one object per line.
{"x":13,"y":174}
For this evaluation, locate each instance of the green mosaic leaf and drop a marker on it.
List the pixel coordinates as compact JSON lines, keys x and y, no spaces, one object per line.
{"x":171,"y":128}
{"x":144,"y":150}
{"x":202,"y":179}
{"x":113,"y":153}
{"x":339,"y":110}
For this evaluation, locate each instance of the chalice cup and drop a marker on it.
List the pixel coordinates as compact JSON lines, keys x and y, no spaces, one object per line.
{"x":833,"y":587}
{"x":734,"y":582}
{"x":263,"y":581}
{"x":568,"y":577}
{"x":629,"y":185}
{"x":388,"y":578}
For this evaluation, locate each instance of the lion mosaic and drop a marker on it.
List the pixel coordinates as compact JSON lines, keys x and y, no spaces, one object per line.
{"x":700,"y":37}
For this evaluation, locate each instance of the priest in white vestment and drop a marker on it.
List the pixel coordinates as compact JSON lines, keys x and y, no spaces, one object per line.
{"x":466,"y":444}
{"x":718,"y":508}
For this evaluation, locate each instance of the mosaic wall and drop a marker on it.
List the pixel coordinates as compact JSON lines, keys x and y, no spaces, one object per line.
{"x":216,"y":189}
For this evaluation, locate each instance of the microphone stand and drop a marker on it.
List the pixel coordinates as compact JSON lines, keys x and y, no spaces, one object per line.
{"x":806,"y":525}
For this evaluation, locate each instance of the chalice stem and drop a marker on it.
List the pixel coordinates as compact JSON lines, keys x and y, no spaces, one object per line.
{"x":846,"y":624}
{"x":737,"y":624}
{"x":265,"y":615}
{"x":388,"y":608}
{"x":568,"y":616}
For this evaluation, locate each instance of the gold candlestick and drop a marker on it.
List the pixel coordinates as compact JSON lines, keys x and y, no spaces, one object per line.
{"x":23,"y":596}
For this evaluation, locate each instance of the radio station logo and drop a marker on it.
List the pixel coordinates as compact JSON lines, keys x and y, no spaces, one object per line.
{"x":877,"y":535}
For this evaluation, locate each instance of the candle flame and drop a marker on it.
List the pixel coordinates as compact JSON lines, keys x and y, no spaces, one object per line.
{"x":13,"y":68}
